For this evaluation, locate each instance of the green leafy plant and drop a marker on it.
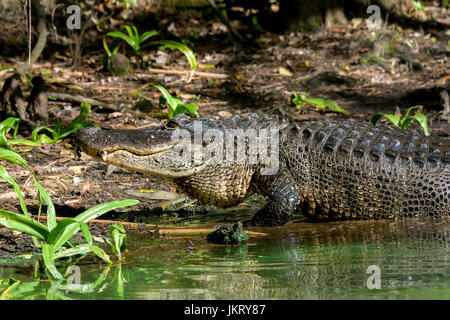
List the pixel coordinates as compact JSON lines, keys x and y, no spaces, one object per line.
{"x":37,"y":139}
{"x":175,"y":104}
{"x":133,"y":38}
{"x":135,"y":41}
{"x":299,"y":99}
{"x":403,"y":122}
{"x":53,"y":238}
{"x":58,"y":133}
{"x":173,"y":45}
{"x":5,"y":127}
{"x":118,"y":239}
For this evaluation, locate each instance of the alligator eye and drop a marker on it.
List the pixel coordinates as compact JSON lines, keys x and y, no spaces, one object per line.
{"x":171,"y":125}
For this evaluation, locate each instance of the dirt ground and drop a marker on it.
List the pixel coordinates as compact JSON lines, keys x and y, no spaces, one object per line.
{"x":232,"y":78}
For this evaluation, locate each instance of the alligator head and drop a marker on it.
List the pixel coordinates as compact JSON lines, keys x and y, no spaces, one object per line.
{"x":155,"y":150}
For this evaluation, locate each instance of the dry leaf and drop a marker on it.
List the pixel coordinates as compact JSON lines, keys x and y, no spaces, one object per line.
{"x":285,"y":72}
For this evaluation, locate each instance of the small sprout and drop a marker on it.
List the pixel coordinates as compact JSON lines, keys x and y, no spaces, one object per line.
{"x":175,"y":104}
{"x":320,"y":104}
{"x":404,"y":122}
{"x":58,"y":134}
{"x":118,"y":239}
{"x":190,"y":56}
{"x":133,"y":39}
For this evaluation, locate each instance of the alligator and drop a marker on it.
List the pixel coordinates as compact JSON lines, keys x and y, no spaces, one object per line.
{"x":323,"y":170}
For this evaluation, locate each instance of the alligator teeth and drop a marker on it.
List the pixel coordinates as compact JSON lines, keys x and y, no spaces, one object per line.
{"x":104,"y":154}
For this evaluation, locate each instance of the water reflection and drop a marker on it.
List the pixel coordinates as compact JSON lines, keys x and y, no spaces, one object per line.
{"x":297,"y":261}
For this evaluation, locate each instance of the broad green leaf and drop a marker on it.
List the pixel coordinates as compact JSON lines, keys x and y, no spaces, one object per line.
{"x":63,"y":232}
{"x":78,"y":122}
{"x":83,"y":249}
{"x":23,"y":224}
{"x":409,"y":110}
{"x":13,"y":157}
{"x":34,"y":134}
{"x":24,"y":142}
{"x":123,"y":36}
{"x":147,"y":35}
{"x":179,"y":46}
{"x":422,"y":119}
{"x":182,"y":108}
{"x":98,"y":210}
{"x":392,"y":117}
{"x":51,"y":214}
{"x":86,"y":233}
{"x":74,"y":251}
{"x":6,"y":176}
{"x":118,"y":236}
{"x":192,"y":108}
{"x":10,"y":123}
{"x":100,"y":253}
{"x":48,"y":254}
{"x":173,"y":103}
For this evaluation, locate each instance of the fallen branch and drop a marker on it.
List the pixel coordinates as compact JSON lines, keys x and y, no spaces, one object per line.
{"x":174,"y":232}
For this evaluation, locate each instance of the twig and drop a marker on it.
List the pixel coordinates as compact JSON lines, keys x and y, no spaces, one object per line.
{"x":80,"y":99}
{"x":313,"y":74}
{"x":183,"y":72}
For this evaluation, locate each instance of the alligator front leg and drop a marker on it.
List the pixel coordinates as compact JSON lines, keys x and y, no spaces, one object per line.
{"x":283,"y":198}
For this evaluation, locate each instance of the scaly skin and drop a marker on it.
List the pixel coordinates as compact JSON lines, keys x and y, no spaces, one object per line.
{"x":327,"y":170}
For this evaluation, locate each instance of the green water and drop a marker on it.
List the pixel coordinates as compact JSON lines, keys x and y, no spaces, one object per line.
{"x":296,"y":261}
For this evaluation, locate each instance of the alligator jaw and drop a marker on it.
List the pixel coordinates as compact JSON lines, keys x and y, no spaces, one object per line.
{"x":135,"y":150}
{"x":149,"y":164}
